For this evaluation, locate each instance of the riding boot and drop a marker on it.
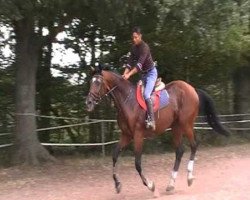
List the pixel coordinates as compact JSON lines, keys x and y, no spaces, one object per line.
{"x":150,"y":123}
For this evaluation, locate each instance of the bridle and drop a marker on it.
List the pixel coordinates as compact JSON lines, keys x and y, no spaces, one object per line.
{"x":98,"y":98}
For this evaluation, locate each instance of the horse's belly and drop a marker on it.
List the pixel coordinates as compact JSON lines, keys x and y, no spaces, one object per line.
{"x":164,"y":120}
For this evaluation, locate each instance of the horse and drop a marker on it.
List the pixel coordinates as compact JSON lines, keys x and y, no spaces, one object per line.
{"x":184,"y":104}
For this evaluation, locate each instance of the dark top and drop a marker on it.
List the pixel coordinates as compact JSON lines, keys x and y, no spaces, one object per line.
{"x":141,"y":57}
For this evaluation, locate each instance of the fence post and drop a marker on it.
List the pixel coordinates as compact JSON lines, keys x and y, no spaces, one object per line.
{"x":103,"y":138}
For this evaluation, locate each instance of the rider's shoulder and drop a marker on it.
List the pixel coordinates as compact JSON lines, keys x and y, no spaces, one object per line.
{"x":144,"y":44}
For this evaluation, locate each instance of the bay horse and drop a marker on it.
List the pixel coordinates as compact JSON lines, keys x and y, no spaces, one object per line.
{"x":179,"y":115}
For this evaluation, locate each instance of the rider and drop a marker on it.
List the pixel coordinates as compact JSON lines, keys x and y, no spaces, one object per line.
{"x":140,"y":60}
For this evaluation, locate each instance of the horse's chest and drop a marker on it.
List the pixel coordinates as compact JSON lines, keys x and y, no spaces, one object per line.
{"x":127,"y":123}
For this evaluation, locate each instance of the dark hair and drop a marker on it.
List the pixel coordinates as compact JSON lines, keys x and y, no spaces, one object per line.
{"x":136,"y":29}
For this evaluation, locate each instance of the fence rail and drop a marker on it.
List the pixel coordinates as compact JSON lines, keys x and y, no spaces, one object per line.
{"x":104,"y":143}
{"x":5,"y":145}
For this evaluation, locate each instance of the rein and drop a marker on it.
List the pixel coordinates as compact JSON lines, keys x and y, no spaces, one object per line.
{"x":128,"y":97}
{"x":97,"y":96}
{"x":99,"y":99}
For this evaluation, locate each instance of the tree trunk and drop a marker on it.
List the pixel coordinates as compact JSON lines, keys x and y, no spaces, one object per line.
{"x":44,"y":88}
{"x":242,"y":94}
{"x":27,"y":148}
{"x":242,"y":90}
{"x":94,"y":129}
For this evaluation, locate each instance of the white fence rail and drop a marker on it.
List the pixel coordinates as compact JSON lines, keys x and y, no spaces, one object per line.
{"x":104,"y":143}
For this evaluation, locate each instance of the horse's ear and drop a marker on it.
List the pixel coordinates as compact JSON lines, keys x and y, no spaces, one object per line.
{"x":93,"y":70}
{"x":106,"y":66}
{"x":99,"y":68}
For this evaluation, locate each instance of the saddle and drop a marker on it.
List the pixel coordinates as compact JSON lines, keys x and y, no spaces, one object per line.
{"x":159,"y":95}
{"x":159,"y":85}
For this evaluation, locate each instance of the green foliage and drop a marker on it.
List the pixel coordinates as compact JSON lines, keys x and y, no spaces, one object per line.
{"x":201,"y":38}
{"x":200,"y":41}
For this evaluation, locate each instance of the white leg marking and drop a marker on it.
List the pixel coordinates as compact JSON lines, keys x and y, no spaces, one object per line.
{"x":173,"y":177}
{"x":150,"y":184}
{"x":190,"y":167}
{"x":174,"y":174}
{"x":190,"y":175}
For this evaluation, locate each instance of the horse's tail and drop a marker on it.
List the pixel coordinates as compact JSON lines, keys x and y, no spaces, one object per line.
{"x":207,"y":107}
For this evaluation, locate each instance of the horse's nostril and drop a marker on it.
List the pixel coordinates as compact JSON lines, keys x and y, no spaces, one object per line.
{"x":87,"y":102}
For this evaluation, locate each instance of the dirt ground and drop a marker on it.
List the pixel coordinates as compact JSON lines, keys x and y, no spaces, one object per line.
{"x":221,"y":174}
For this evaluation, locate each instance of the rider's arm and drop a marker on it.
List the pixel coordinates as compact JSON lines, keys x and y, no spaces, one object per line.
{"x":130,"y":73}
{"x":129,"y":64}
{"x":127,"y":70}
{"x":133,"y":71}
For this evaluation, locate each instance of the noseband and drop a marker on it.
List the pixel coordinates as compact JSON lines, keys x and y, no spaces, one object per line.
{"x":98,"y":98}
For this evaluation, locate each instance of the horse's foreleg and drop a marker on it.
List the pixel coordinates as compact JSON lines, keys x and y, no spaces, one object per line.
{"x":138,"y":142}
{"x":116,"y":153}
{"x":124,"y":141}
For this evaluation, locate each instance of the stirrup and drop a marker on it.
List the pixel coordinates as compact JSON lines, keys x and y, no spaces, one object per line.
{"x":150,"y":124}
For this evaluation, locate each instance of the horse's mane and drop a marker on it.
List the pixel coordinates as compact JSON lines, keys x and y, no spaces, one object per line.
{"x":114,"y":72}
{"x":119,"y":76}
{"x":124,"y":85}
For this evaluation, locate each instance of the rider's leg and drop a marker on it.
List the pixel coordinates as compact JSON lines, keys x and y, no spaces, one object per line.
{"x":149,"y":82}
{"x":151,"y":119}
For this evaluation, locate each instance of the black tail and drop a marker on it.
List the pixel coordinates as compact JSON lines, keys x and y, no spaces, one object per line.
{"x":208,"y":109}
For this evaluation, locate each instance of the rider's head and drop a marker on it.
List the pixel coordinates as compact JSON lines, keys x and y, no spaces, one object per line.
{"x":136,"y":35}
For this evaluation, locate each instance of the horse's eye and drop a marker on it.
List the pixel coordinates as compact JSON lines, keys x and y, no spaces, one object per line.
{"x":97,"y":83}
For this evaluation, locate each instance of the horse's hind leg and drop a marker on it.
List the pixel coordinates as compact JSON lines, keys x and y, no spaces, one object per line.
{"x":193,"y":146}
{"x":179,"y":151}
{"x":124,"y":141}
{"x":138,"y":142}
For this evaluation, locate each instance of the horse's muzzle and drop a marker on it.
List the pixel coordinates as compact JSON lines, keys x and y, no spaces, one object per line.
{"x":90,"y":104}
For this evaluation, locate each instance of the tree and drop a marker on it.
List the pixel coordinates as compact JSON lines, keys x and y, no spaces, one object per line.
{"x":242,"y":72}
{"x":28,"y":18}
{"x":202,"y":42}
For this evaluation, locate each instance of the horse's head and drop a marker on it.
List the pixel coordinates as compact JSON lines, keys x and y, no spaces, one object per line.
{"x":97,"y":90}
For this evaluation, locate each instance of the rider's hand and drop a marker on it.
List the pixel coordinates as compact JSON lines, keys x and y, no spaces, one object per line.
{"x":126,"y":76}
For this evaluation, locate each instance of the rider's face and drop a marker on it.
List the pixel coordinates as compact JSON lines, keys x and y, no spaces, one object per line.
{"x":136,"y":38}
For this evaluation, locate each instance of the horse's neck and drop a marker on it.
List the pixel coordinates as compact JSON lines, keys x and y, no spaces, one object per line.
{"x":123,"y":95}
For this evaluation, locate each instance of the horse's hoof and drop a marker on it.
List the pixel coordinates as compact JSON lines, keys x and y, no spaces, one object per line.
{"x":151,"y":186}
{"x":190,"y":181}
{"x":118,"y":187}
{"x":170,"y":188}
